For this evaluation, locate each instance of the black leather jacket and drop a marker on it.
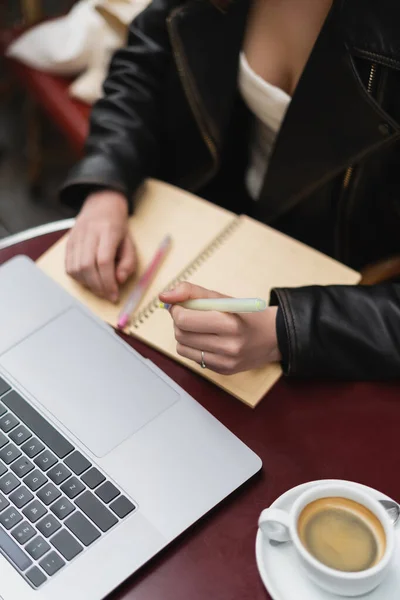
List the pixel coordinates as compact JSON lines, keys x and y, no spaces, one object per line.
{"x":171,"y":110}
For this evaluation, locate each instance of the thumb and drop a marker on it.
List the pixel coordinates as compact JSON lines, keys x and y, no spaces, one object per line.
{"x":187,"y":291}
{"x":126,"y":259}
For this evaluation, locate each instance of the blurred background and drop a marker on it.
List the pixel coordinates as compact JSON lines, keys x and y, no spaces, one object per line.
{"x":54,"y":56}
{"x":25,"y":203}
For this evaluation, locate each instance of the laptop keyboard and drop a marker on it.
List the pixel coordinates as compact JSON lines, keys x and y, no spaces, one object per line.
{"x":53,"y":502}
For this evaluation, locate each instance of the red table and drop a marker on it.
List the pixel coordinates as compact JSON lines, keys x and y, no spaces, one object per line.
{"x":302,"y":431}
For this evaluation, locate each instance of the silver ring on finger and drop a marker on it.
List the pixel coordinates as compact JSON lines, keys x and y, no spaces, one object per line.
{"x":202,"y":362}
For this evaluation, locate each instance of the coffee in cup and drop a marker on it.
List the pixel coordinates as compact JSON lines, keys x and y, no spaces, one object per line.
{"x":342,"y":534}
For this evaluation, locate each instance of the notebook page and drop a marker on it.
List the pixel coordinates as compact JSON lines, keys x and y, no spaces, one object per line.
{"x":160,"y":209}
{"x":256,"y":258}
{"x":253,"y":259}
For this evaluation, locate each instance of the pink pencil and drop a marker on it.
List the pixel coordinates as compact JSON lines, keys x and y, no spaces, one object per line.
{"x":143,"y":283}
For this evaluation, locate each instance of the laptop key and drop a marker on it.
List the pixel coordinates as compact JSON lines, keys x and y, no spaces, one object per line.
{"x":38,"y":424}
{"x":37,"y":547}
{"x":3,"y":409}
{"x":20,"y":435}
{"x":48,"y":494}
{"x":3,"y":502}
{"x":77,"y":463}
{"x":66,"y":544}
{"x":3,"y":440}
{"x":13,"y":552}
{"x":3,"y":469}
{"x":51,"y":563}
{"x":23,"y":532}
{"x":82,"y":528}
{"x":21,"y":497}
{"x":107,"y":492}
{"x":22,"y":466}
{"x":10,"y":453}
{"x":96,"y":511}
{"x":35,"y":480}
{"x":36,"y":577}
{"x":9,"y":518}
{"x":122,"y":507}
{"x":48,"y":525}
{"x":72,"y":487}
{"x":34,"y":511}
{"x":8,"y":483}
{"x":4,"y":386}
{"x":62,"y":508}
{"x":59,"y":473}
{"x":93,"y":478}
{"x":32,"y":447}
{"x":8,"y":422}
{"x":45,"y":460}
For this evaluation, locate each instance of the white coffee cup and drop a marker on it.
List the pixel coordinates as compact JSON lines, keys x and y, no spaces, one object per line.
{"x":281,"y":526}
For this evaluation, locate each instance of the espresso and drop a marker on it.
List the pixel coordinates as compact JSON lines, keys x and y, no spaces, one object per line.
{"x":342,"y":534}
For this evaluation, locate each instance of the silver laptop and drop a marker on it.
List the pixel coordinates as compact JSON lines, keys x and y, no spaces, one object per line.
{"x":103,"y":459}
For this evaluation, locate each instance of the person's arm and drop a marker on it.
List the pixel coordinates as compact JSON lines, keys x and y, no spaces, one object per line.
{"x":122,"y":149}
{"x":342,"y":332}
{"x":122,"y":146}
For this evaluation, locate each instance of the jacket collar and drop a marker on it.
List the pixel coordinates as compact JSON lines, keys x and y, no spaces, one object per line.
{"x":332,"y":122}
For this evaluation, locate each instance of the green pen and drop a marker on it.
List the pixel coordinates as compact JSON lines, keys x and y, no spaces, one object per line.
{"x":229,"y":305}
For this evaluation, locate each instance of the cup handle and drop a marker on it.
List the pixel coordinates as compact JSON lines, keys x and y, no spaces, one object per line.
{"x":274,"y":523}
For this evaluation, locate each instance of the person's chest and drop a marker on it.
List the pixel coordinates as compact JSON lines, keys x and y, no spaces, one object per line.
{"x":279,"y":38}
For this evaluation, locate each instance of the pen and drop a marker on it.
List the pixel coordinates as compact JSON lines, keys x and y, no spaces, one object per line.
{"x":143,"y":283}
{"x":230,"y":305}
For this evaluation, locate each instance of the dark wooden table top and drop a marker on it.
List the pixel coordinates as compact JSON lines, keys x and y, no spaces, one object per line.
{"x":302,"y":431}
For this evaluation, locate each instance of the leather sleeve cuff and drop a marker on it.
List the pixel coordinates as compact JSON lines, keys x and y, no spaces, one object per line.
{"x":95,"y":173}
{"x":286,"y":331}
{"x":283,"y":342}
{"x":341,"y":332}
{"x":306,"y":339}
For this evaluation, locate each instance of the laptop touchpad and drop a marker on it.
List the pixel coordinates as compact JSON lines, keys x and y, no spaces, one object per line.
{"x":91,"y":382}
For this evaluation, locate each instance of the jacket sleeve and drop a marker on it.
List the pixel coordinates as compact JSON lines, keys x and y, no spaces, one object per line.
{"x":341,"y":332}
{"x":122,"y":145}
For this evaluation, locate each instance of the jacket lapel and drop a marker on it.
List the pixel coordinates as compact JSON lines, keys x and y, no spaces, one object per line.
{"x":331,"y":123}
{"x":207,"y":43}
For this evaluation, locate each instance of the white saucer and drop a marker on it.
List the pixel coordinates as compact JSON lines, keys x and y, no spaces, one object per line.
{"x":283,"y":576}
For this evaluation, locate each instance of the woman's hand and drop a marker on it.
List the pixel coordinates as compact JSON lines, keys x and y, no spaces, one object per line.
{"x":230,"y":342}
{"x":100,"y":252}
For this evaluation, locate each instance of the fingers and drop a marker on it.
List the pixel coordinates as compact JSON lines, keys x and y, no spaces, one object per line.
{"x":87,"y":267}
{"x":90,"y":259}
{"x":205,"y":322}
{"x":196,"y":321}
{"x":224,"y":365}
{"x":92,"y":245}
{"x":80,"y":262}
{"x":105,"y":258}
{"x":126,"y":262}
{"x":187,"y":291}
{"x":69,"y":256}
{"x":225,"y":345}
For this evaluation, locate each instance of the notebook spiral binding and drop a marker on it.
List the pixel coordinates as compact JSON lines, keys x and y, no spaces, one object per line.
{"x":147,"y":311}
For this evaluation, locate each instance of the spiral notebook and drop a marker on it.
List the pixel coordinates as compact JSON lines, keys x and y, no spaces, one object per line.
{"x":211,"y":247}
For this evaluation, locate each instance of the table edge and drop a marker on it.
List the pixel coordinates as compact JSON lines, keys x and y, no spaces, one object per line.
{"x":33,"y":232}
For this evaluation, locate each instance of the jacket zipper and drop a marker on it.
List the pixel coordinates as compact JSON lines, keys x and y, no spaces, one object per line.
{"x":371,"y":79}
{"x":191,"y":93}
{"x":349,"y":173}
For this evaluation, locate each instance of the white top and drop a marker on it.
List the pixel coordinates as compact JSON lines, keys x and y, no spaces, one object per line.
{"x":268,"y":104}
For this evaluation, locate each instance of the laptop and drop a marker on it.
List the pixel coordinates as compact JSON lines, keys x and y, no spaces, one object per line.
{"x":104,"y":460}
